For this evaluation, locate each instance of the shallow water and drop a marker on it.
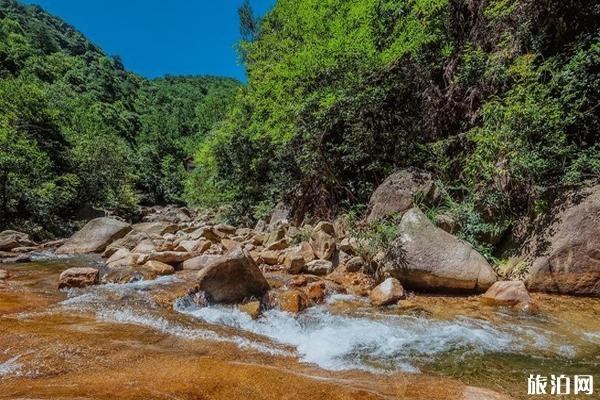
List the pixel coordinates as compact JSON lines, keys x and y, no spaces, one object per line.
{"x":94,"y":342}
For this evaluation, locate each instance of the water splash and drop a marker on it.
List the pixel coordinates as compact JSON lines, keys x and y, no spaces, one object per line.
{"x":10,"y":367}
{"x":378,"y":342}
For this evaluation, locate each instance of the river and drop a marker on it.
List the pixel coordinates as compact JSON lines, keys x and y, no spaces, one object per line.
{"x":125,"y":341}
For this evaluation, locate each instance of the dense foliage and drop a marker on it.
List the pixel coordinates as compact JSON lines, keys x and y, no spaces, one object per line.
{"x":499,"y":98}
{"x":77,"y":130}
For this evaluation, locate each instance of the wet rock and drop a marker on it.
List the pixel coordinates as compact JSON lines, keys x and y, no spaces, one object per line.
{"x":159,"y":268}
{"x":292,"y":301}
{"x":356,"y":283}
{"x":3,"y":274}
{"x":127,"y":274}
{"x":13,"y":239}
{"x":425,"y":257}
{"x":187,"y":290}
{"x":78,"y":278}
{"x":199,"y":262}
{"x":564,"y":255}
{"x":12,"y":258}
{"x":396,"y":194}
{"x":251,"y":308}
{"x":95,"y":236}
{"x":316,"y":291}
{"x":232,"y":278}
{"x":507,"y":293}
{"x":387,"y":292}
{"x":318,"y":267}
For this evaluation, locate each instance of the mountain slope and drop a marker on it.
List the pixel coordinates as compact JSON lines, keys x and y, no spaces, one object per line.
{"x":77,"y":129}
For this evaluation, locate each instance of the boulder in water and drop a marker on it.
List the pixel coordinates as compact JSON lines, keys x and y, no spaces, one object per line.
{"x":95,"y":236}
{"x":232,"y":278}
{"x":387,"y":292}
{"x":507,"y":293}
{"x":78,"y":278}
{"x":425,"y":257}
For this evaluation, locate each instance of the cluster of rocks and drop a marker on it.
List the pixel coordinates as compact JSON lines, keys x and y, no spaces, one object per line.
{"x":278,"y":265}
{"x":16,"y":247}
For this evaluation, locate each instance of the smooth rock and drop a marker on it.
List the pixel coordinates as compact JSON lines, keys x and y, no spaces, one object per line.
{"x":3,"y":274}
{"x":507,"y":293}
{"x":159,"y":268}
{"x":396,"y":194}
{"x":565,"y":253}
{"x":425,"y":257}
{"x":78,"y":278}
{"x":318,"y":267}
{"x":232,"y":278}
{"x":199,"y":262}
{"x":95,"y":236}
{"x":13,"y":239}
{"x":387,"y":292}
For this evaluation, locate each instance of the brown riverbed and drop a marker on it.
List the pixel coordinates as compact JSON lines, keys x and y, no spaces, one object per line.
{"x":114,"y":343}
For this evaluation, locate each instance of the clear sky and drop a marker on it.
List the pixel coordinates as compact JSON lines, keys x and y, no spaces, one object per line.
{"x":158,"y":37}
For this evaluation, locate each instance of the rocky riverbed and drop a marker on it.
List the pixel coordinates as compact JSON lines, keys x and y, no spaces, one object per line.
{"x":178,"y":306}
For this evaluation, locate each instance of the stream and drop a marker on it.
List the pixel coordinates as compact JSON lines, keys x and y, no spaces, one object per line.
{"x":118,"y":341}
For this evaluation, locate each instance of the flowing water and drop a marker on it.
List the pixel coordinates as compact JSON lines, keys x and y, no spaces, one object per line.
{"x":143,"y":340}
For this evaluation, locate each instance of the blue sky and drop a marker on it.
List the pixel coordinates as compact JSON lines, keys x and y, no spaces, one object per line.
{"x":158,"y":37}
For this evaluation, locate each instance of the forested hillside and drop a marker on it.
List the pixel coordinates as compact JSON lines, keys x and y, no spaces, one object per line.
{"x":78,"y":130}
{"x":498,"y":98}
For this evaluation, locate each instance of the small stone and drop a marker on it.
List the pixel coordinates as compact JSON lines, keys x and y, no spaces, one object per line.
{"x":251,"y":308}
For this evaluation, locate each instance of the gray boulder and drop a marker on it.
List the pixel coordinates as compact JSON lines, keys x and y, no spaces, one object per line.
{"x":232,"y":278}
{"x":427,"y":258}
{"x":95,"y":236}
{"x":396,"y":194}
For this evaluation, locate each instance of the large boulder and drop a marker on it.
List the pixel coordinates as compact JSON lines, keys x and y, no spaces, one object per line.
{"x":95,"y":236}
{"x":396,"y":194}
{"x":427,"y":258}
{"x":232,"y":278}
{"x":12,"y":239}
{"x":565,"y":254}
{"x":78,"y":278}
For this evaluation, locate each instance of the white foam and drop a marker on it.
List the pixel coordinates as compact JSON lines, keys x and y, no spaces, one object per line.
{"x":10,"y":367}
{"x":338,"y":342}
